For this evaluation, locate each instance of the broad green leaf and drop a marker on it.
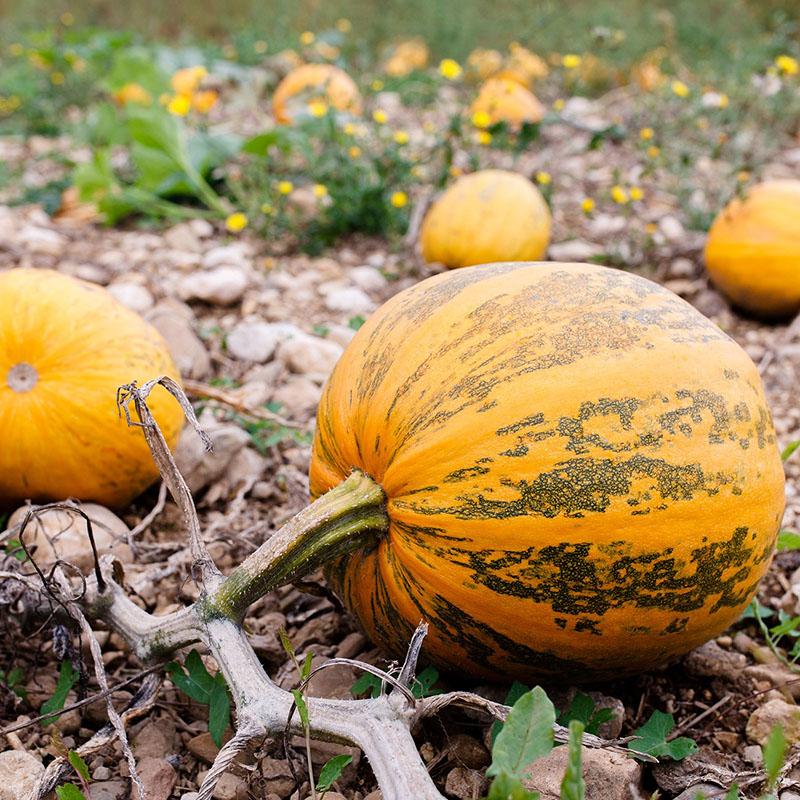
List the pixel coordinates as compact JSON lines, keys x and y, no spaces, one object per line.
{"x":67,"y":678}
{"x":526,"y":735}
{"x":732,"y":793}
{"x":653,"y":739}
{"x":583,"y":709}
{"x":69,"y":791}
{"x":515,"y":691}
{"x":219,"y":710}
{"x":367,"y":683}
{"x":509,"y":787}
{"x":286,"y":642}
{"x":424,"y":683}
{"x":788,"y":540}
{"x":789,"y":449}
{"x":195,"y":681}
{"x":332,"y":771}
{"x":774,"y":752}
{"x":157,"y":129}
{"x":302,"y":708}
{"x":573,"y":786}
{"x":79,"y":765}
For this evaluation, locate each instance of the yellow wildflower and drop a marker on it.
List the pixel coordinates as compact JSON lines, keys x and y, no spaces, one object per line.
{"x":481,"y":119}
{"x":354,"y":151}
{"x":645,"y":134}
{"x":344,"y":25}
{"x":318,"y":108}
{"x":180,"y":105}
{"x":559,"y":104}
{"x":401,"y":137}
{"x":483,"y":137}
{"x":186,"y":80}
{"x":236,"y":222}
{"x":398,"y":199}
{"x":349,"y":129}
{"x":619,"y":195}
{"x":260,"y":46}
{"x":651,"y":228}
{"x":380,"y":116}
{"x":543,"y":178}
{"x":636,"y":194}
{"x":56,"y":78}
{"x":285,"y":187}
{"x":320,"y":190}
{"x":450,"y":69}
{"x":204,"y":101}
{"x":679,"y":88}
{"x":376,"y":85}
{"x":587,"y":205}
{"x":788,"y":65}
{"x":653,"y":151}
{"x":571,"y":61}
{"x":307,"y":38}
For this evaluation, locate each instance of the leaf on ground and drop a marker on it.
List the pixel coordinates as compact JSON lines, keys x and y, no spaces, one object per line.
{"x":652,"y":739}
{"x":332,"y":771}
{"x":67,"y":678}
{"x":302,"y":708}
{"x":219,"y":710}
{"x":69,"y":791}
{"x":515,"y":691}
{"x":509,"y":787}
{"x":78,"y":764}
{"x":774,"y":752}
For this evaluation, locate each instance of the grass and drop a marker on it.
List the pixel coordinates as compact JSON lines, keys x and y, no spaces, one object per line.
{"x":706,"y":37}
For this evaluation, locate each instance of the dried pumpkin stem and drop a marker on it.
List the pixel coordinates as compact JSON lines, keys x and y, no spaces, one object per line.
{"x":348,"y":517}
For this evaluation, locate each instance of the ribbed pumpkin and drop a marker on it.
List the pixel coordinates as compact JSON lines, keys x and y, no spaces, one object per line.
{"x":314,"y":82}
{"x":505,"y":100}
{"x":491,"y":215}
{"x":65,"y":348}
{"x":581,"y":471}
{"x":753,"y":249}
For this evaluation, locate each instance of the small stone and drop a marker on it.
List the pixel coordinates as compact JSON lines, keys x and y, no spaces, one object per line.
{"x":183,"y":237}
{"x":133,"y":296}
{"x":350,"y":299}
{"x":253,"y":341}
{"x":682,"y":268}
{"x":185,"y":346}
{"x":753,"y":754}
{"x":376,"y":795}
{"x":609,"y":775}
{"x":19,"y":773}
{"x":158,"y":778}
{"x":41,"y":241}
{"x":299,"y":396}
{"x":573,"y":250}
{"x":774,"y":712}
{"x":277,"y":776}
{"x":464,"y":784}
{"x":367,"y":278}
{"x":700,"y":790}
{"x":62,"y":534}
{"x":310,"y":355}
{"x":672,"y":228}
{"x":227,"y":255}
{"x":222,"y":286}
{"x":201,"y":468}
{"x":201,"y":228}
{"x":156,"y":738}
{"x":467,"y":751}
{"x":110,"y":790}
{"x":101,"y":773}
{"x":334,"y":682}
{"x":232,"y":787}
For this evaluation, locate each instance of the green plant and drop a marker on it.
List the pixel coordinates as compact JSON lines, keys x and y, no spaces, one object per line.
{"x":653,"y":738}
{"x":67,"y":678}
{"x":195,"y":681}
{"x":583,"y":709}
{"x":13,"y":681}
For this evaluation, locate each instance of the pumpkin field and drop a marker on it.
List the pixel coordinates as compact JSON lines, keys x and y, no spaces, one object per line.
{"x":400,"y":401}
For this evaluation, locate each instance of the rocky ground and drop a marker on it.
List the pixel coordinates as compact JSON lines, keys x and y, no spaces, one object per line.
{"x":247,"y":327}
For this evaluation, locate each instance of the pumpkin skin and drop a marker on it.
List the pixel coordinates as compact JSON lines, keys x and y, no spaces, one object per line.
{"x":581,"y":472}
{"x":505,"y":100}
{"x":753,"y":249}
{"x":61,"y":432}
{"x":407,"y":56}
{"x":486,"y":216}
{"x":314,"y":81}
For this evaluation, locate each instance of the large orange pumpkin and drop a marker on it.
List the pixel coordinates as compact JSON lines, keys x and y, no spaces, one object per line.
{"x":314,"y":82}
{"x":581,"y":472}
{"x":491,"y":215}
{"x":505,"y":100}
{"x":65,"y":348}
{"x":753,"y":249}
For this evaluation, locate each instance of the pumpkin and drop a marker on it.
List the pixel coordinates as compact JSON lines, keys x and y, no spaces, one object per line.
{"x":523,"y":66}
{"x":65,"y":348}
{"x":406,"y":57}
{"x":507,"y":101}
{"x":753,"y":249}
{"x":490,"y":215}
{"x":483,"y":63}
{"x":312,"y":82}
{"x":580,"y":470}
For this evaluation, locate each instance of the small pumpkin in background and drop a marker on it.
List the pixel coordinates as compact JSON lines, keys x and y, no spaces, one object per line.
{"x":65,"y":348}
{"x":406,"y":57}
{"x":753,"y":249}
{"x":311,"y":82}
{"x":523,"y":66}
{"x":505,"y":100}
{"x":580,"y":470}
{"x":490,"y":215}
{"x":483,"y":63}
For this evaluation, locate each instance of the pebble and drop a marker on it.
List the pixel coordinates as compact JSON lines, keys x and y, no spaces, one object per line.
{"x":253,"y":341}
{"x":158,"y":777}
{"x":299,"y":396}
{"x":236,"y":255}
{"x":766,"y":717}
{"x":41,"y":241}
{"x":672,"y":228}
{"x":221,"y":286}
{"x":350,"y":299}
{"x":309,"y":355}
{"x":573,"y":250}
{"x":183,"y":237}
{"x":110,"y":790}
{"x":367,"y":278}
{"x":19,"y":772}
{"x":185,"y":346}
{"x":133,"y":296}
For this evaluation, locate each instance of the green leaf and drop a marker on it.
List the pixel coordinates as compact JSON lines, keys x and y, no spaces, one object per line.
{"x":774,"y":752}
{"x":305,"y":670}
{"x":583,"y":709}
{"x":515,"y":691}
{"x":732,"y":793}
{"x":367,"y":682}
{"x":788,"y":540}
{"x":789,"y":449}
{"x":79,"y":765}
{"x":332,"y":771}
{"x":286,"y":643}
{"x":219,"y":710}
{"x":509,"y":787}
{"x":653,"y":739}
{"x":526,"y":735}
{"x":424,"y":683}
{"x":302,"y":708}
{"x":573,"y":786}
{"x":356,"y":322}
{"x":196,"y":682}
{"x":69,"y":791}
{"x":67,"y":678}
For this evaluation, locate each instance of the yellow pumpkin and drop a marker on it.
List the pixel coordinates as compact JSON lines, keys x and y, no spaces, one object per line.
{"x":523,"y":66}
{"x":65,"y":348}
{"x":505,"y":100}
{"x":581,"y":474}
{"x":753,"y":249}
{"x":406,"y":57}
{"x":483,"y":63}
{"x":311,"y":82}
{"x":490,"y":215}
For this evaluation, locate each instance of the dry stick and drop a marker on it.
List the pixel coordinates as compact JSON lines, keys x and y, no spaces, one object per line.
{"x":689,"y":724}
{"x":147,"y":521}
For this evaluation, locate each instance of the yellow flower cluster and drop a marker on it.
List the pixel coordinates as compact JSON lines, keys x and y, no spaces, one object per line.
{"x":8,"y":105}
{"x":450,"y":69}
{"x":188,"y":94}
{"x":132,"y":93}
{"x":788,"y":65}
{"x":622,"y":196}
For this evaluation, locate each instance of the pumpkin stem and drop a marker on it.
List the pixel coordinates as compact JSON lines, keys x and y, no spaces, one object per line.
{"x":22,"y":377}
{"x":348,"y":517}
